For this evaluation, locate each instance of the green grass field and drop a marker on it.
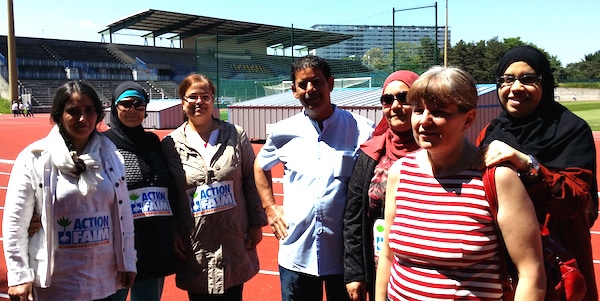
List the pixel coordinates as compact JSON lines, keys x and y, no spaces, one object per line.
{"x":587,"y":110}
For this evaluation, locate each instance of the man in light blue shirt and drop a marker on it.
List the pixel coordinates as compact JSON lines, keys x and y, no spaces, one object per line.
{"x":317,"y":148}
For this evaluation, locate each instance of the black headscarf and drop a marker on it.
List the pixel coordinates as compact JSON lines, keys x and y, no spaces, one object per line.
{"x":134,"y":139}
{"x":558,"y":139}
{"x":551,"y":133}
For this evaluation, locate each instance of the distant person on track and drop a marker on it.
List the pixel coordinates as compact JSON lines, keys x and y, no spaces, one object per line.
{"x":15,"y":109}
{"x":218,"y":213}
{"x":553,"y":150}
{"x":29,"y":110}
{"x":391,"y":140}
{"x":149,"y":179}
{"x":75,"y":179}
{"x":22,"y":109}
{"x":318,"y":148}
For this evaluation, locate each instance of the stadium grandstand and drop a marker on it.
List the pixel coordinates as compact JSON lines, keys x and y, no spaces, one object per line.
{"x":245,"y":60}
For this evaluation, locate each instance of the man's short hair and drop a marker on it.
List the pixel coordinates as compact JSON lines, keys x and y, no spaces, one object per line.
{"x":310,"y":61}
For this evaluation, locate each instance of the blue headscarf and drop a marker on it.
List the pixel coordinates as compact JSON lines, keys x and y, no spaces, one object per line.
{"x":135,"y":139}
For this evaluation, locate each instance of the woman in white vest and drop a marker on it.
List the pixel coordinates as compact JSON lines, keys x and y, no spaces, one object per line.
{"x":75,"y":180}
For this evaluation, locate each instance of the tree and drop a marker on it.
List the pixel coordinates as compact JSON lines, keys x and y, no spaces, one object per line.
{"x":478,"y":58}
{"x":428,"y":52}
{"x":481,"y":58}
{"x":585,"y":70}
{"x":376,"y":59}
{"x":410,"y":56}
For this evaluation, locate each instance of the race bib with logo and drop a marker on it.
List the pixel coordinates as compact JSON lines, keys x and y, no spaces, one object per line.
{"x":378,"y":235}
{"x":212,"y":198}
{"x":83,"y":230}
{"x":150,"y":201}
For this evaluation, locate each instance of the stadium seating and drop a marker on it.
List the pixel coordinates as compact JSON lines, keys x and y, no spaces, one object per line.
{"x":44,"y":64}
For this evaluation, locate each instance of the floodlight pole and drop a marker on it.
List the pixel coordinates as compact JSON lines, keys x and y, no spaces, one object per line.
{"x":218,"y":67}
{"x":393,"y":39}
{"x":394,"y":10}
{"x":446,"y":38}
{"x":292,"y":43}
{"x":12,"y":54}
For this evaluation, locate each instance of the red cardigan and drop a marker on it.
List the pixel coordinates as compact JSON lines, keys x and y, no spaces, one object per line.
{"x":565,"y":214}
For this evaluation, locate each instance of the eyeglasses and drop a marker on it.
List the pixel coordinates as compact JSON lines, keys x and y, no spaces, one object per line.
{"x":137,"y":104}
{"x":525,"y":79}
{"x":388,"y":99}
{"x":202,"y":97}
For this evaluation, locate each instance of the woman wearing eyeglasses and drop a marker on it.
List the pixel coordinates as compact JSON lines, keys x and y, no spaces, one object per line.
{"x":553,"y":150}
{"x":363,"y":216}
{"x":151,"y":192}
{"x":75,"y":180}
{"x":219,"y":213}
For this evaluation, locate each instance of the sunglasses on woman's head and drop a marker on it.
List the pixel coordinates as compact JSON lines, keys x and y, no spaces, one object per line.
{"x":388,"y":99}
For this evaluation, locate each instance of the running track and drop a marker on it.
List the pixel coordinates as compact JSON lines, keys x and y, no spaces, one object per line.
{"x":16,"y":133}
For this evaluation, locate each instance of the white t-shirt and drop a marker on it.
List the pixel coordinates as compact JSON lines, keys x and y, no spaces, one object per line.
{"x":85,"y":266}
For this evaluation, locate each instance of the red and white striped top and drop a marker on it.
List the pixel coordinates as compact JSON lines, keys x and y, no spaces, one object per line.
{"x":443,"y":238}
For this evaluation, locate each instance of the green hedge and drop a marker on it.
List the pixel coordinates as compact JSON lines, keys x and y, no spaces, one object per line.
{"x":5,"y":106}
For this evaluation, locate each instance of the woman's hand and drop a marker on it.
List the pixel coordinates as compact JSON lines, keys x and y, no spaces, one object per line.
{"x":21,"y":292}
{"x":277,"y":221}
{"x":357,"y":291}
{"x":126,"y":278}
{"x":253,"y":237}
{"x":497,"y":152}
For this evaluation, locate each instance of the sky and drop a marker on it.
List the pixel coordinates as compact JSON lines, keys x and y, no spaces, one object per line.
{"x":565,"y":29}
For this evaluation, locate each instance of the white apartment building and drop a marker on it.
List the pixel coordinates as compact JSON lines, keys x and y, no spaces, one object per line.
{"x":374,"y":36}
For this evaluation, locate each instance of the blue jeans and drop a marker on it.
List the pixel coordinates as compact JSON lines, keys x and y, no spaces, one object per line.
{"x":146,"y":290}
{"x":297,"y":286}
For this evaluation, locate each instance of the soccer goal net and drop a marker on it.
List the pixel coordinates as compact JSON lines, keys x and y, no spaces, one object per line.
{"x":339,"y":83}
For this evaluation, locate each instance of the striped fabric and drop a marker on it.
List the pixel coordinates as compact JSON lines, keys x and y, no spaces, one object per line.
{"x":443,"y":238}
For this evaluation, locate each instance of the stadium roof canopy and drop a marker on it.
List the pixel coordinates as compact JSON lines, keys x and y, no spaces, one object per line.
{"x":155,"y":23}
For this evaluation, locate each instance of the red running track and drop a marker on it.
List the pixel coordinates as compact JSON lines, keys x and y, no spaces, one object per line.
{"x":17,"y":133}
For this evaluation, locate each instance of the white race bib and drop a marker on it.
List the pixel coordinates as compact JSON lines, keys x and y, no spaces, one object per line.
{"x":83,"y":230}
{"x":212,"y":198}
{"x":378,"y":229}
{"x":150,"y":201}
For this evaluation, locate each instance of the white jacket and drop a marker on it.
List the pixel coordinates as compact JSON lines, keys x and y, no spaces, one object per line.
{"x":32,"y":186}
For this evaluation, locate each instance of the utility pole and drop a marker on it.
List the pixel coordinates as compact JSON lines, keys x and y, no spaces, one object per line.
{"x":12,"y":54}
{"x":446,"y":38}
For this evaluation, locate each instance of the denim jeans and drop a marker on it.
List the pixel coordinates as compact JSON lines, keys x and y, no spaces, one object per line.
{"x":297,"y":286}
